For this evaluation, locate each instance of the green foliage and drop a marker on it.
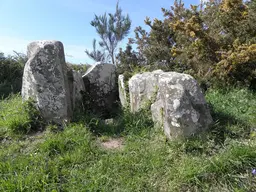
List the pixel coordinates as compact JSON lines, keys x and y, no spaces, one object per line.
{"x":112,"y":29}
{"x":238,"y":66}
{"x":124,"y":122}
{"x":19,"y":118}
{"x":237,"y":106}
{"x":11,"y":71}
{"x":13,"y":118}
{"x":74,"y":160}
{"x":215,"y":42}
{"x":96,"y":55}
{"x":52,"y":128}
{"x":129,"y":62}
{"x":155,"y":46}
{"x":35,"y":120}
{"x":78,"y":67}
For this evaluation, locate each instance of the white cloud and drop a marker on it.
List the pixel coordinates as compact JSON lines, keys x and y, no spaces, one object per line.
{"x":74,"y":53}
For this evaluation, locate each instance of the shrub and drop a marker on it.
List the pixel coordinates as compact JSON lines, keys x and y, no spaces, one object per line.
{"x":35,"y":119}
{"x":11,"y":71}
{"x":19,"y":118}
{"x":214,"y":41}
{"x":81,"y":68}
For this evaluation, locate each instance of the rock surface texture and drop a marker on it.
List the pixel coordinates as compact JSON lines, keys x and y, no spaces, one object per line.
{"x":143,"y":89}
{"x":45,"y":80}
{"x":76,"y":86}
{"x":101,"y":88}
{"x":177,"y":102}
{"x":122,"y":91}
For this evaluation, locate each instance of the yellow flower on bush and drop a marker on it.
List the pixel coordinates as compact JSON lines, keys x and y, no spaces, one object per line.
{"x":192,"y":34}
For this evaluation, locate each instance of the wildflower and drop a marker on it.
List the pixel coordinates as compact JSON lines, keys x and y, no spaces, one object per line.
{"x":254,"y":172}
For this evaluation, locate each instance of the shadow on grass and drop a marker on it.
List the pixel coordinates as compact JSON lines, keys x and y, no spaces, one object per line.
{"x":228,"y":126}
{"x":225,"y":127}
{"x":120,"y":124}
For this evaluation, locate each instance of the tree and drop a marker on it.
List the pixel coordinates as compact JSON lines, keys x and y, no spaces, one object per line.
{"x":128,"y":60}
{"x":157,"y":44}
{"x":11,"y":72}
{"x":1,"y":55}
{"x":214,"y":41}
{"x":112,"y":29}
{"x":96,"y":55}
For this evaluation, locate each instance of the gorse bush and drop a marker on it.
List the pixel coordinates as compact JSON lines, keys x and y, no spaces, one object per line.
{"x":214,"y":41}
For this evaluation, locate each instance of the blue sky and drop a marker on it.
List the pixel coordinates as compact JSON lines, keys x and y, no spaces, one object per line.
{"x":24,"y":21}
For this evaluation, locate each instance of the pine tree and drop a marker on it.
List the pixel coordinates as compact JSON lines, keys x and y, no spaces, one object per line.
{"x":112,"y":29}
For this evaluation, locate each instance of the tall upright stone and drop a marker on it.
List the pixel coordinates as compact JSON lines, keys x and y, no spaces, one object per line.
{"x":122,"y":91}
{"x":101,"y":87}
{"x":45,"y":80}
{"x":76,"y":87}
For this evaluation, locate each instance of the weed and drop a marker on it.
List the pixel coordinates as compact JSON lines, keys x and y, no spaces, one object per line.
{"x":17,"y":117}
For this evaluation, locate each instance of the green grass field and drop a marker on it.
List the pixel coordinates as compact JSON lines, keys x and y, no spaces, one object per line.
{"x":74,"y":159}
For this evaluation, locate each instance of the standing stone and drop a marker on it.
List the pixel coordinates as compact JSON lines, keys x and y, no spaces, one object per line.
{"x":122,"y":91}
{"x":177,"y":102}
{"x":76,"y":87}
{"x":45,"y":80}
{"x":157,"y":111}
{"x":101,"y":87}
{"x":182,"y":105}
{"x":143,"y":89}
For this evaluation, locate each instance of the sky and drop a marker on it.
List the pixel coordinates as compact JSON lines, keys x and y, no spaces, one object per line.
{"x":68,"y":21}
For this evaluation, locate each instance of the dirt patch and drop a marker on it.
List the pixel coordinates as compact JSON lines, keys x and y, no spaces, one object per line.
{"x":114,"y":143}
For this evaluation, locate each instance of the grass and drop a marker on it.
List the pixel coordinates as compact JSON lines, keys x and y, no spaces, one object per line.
{"x":73,"y":160}
{"x":12,"y":115}
{"x":17,"y":117}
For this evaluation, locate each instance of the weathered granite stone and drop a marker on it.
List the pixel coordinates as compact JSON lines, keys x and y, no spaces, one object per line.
{"x":45,"y":80}
{"x":143,"y":89}
{"x":101,"y":87}
{"x":184,"y":109}
{"x":177,"y":102}
{"x":76,"y":86}
{"x":157,"y":111}
{"x":122,"y":91}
